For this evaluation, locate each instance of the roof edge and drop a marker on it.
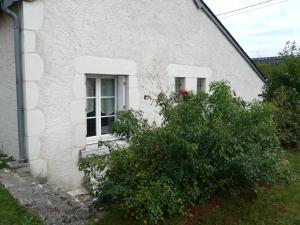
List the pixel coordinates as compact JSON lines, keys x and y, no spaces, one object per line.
{"x":201,"y":5}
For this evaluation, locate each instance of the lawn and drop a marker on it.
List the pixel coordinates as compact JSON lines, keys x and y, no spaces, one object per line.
{"x":279,"y":205}
{"x":12,"y":213}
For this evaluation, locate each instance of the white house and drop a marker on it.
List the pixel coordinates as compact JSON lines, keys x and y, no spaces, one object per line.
{"x":77,"y":62}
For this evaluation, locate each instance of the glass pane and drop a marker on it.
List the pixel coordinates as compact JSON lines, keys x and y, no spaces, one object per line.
{"x":91,"y":107}
{"x":106,"y":124}
{"x":179,"y":84}
{"x":107,"y":87}
{"x":201,"y":85}
{"x":107,"y":106}
{"x":91,"y":127}
{"x":90,"y":87}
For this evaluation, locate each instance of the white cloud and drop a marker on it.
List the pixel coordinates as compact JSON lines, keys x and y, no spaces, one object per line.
{"x":262,"y":32}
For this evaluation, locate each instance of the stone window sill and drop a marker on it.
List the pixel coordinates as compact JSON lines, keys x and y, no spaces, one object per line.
{"x":92,"y":148}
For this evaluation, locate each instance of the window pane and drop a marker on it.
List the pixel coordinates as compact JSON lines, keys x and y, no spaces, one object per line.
{"x":90,"y":87}
{"x":179,"y":84}
{"x":91,"y":127}
{"x":107,"y":106}
{"x":201,"y":84}
{"x":91,"y":107}
{"x":106,"y":125}
{"x":107,"y":87}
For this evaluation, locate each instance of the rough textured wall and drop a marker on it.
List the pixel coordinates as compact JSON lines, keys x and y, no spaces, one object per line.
{"x":153,"y":34}
{"x":8,"y":102}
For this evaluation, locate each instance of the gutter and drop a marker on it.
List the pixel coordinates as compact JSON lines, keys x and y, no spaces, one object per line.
{"x":19,"y":78}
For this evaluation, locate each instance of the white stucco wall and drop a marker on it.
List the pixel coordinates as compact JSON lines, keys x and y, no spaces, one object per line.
{"x":8,"y":102}
{"x":153,"y":34}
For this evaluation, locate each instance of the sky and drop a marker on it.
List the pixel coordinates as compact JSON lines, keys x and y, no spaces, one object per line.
{"x":263,"y":32}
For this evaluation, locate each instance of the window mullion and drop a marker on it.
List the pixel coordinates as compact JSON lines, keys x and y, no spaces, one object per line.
{"x":98,"y":113}
{"x":116,"y":99}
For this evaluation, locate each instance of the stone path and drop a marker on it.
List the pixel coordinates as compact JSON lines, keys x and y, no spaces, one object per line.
{"x":54,"y":206}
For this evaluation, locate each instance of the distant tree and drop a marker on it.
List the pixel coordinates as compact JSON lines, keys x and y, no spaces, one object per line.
{"x":283,"y":90}
{"x":268,"y":69}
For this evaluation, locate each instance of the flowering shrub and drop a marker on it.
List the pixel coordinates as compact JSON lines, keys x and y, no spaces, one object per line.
{"x":207,"y":145}
{"x":184,"y":92}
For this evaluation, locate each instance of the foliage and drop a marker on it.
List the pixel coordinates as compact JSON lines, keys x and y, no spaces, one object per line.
{"x":279,"y":205}
{"x":268,"y":70}
{"x":131,"y":123}
{"x":12,"y":213}
{"x":207,"y":145}
{"x":283,"y":90}
{"x":2,"y":164}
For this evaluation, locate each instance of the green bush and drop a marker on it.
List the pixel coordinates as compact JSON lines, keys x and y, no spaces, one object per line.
{"x":283,"y":91}
{"x":207,"y":145}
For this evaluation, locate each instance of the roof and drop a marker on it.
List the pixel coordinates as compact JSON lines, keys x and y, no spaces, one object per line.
{"x":273,"y":61}
{"x":201,"y":5}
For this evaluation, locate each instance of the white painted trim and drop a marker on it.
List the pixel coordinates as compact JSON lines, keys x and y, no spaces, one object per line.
{"x":98,"y":99}
{"x":89,"y":65}
{"x":98,"y":65}
{"x":175,"y":70}
{"x":93,"y":66}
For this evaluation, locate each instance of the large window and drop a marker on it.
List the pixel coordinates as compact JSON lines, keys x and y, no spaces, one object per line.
{"x":179,"y":84}
{"x":101,"y":105}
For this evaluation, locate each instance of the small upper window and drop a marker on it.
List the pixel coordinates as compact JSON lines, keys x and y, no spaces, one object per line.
{"x":101,"y":105}
{"x":179,"y":84}
{"x":201,"y":85}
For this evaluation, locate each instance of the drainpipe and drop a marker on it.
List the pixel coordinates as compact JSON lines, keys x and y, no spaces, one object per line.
{"x":19,"y":82}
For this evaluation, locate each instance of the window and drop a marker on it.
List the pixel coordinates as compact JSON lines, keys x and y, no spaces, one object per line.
{"x":201,"y":83}
{"x":179,"y":84}
{"x":101,"y":105}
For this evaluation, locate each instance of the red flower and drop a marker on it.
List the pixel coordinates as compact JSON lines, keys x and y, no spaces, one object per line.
{"x":184,"y":92}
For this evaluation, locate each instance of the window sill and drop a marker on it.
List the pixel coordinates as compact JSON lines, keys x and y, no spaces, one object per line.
{"x":92,"y":147}
{"x":108,"y":137}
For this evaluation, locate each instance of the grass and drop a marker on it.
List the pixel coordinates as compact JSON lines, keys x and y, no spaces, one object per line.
{"x":12,"y":213}
{"x":3,"y":163}
{"x":279,"y":205}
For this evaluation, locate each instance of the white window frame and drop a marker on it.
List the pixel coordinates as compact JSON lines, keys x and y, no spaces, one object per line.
{"x":98,"y":117}
{"x":182,"y":80}
{"x":124,"y":69}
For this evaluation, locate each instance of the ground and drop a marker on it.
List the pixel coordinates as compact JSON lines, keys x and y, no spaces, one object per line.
{"x":52,"y":205}
{"x":279,"y":205}
{"x":12,"y":213}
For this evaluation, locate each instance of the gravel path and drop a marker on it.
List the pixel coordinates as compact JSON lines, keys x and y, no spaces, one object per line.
{"x":54,"y":206}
